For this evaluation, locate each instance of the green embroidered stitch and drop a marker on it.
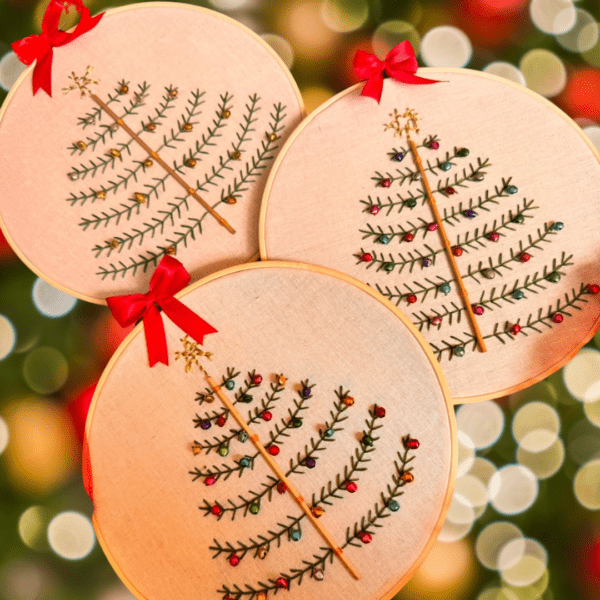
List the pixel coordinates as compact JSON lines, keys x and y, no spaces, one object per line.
{"x":534,"y":322}
{"x":368,"y":523}
{"x":193,"y":227}
{"x":330,"y":491}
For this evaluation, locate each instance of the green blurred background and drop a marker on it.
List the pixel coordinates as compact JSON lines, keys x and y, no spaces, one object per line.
{"x":524,"y":521}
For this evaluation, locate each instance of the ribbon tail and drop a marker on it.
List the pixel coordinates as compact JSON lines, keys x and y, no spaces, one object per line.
{"x":405,"y":77}
{"x":186,"y":319}
{"x":374,"y":87}
{"x":42,"y":74}
{"x":156,"y":339}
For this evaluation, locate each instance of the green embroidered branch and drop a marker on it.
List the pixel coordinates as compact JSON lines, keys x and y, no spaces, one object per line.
{"x":504,"y":263}
{"x":470,"y":240}
{"x":407,"y":150}
{"x":127,"y":239}
{"x":281,"y":431}
{"x":368,"y":524}
{"x":94,"y":115}
{"x":533,"y":323}
{"x":408,"y":173}
{"x":410,"y":197}
{"x":101,"y":163}
{"x":241,"y":395}
{"x":194,"y":226}
{"x":494,"y":298}
{"x":209,"y":395}
{"x":329,"y":491}
{"x":254,"y":416}
{"x":122,"y":180}
{"x":128,"y":209}
{"x":108,"y":130}
{"x":410,"y":227}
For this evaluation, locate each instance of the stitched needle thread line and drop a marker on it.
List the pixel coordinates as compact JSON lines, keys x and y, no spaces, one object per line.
{"x":192,"y":360}
{"x":82,"y":83}
{"x":412,"y":124}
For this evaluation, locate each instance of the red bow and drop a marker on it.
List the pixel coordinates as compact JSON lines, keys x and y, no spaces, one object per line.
{"x":399,"y":64}
{"x":169,"y":278}
{"x":40,"y":47}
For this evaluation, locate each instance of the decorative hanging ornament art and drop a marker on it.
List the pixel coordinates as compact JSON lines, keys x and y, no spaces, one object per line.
{"x":146,"y":131}
{"x":307,"y":449}
{"x":471,"y":204}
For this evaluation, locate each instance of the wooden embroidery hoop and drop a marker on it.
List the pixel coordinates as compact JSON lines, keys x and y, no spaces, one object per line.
{"x":364,"y":288}
{"x":25,"y":77}
{"x":432,"y":73}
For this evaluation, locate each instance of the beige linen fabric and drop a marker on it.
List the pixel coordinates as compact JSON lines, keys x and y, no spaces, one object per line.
{"x":312,"y":213}
{"x":161,"y":44}
{"x":276,"y":319}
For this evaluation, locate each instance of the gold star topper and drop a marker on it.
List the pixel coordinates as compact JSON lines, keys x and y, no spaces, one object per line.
{"x":191,"y":353}
{"x":81,"y":83}
{"x":403,"y":123}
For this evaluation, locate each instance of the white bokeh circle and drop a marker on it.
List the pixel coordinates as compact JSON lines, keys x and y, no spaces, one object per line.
{"x":482,"y":422}
{"x":492,"y":539}
{"x":50,"y":301}
{"x":446,"y":46}
{"x":513,"y":489}
{"x":536,"y":426}
{"x":71,"y":535}
{"x":582,"y":375}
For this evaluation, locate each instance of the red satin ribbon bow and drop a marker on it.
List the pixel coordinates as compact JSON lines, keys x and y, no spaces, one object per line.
{"x":400,"y":64}
{"x":40,"y":47}
{"x":169,"y":278}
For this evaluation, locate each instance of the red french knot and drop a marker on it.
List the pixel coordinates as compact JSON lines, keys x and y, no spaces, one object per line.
{"x":411,"y":298}
{"x":432,"y":227}
{"x":351,"y":487}
{"x":374,"y":209}
{"x":379,"y":412}
{"x":267,"y":416}
{"x":257,"y":380}
{"x":436,"y":321}
{"x":273,"y":450}
{"x":282,"y":487}
{"x":385,"y":182}
{"x":282,"y":583}
{"x":411,"y":443}
{"x":592,"y":288}
{"x":407,"y":477}
{"x":457,"y":251}
{"x":516,"y":328}
{"x":478,"y":310}
{"x":557,"y":318}
{"x":365,"y":538}
{"x":408,"y":237}
{"x":221,"y":421}
{"x":366,"y":257}
{"x":494,"y":236}
{"x":434,"y":145}
{"x":525,"y":257}
{"x":234,"y":560}
{"x":449,"y":191}
{"x":210,"y":481}
{"x":216,"y":510}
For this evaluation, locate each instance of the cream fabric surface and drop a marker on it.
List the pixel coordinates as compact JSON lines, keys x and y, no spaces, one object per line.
{"x":275,"y":319}
{"x":312,"y":213}
{"x":161,"y":44}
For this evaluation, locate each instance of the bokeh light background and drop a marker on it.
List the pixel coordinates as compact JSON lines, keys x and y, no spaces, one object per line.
{"x":525,"y":518}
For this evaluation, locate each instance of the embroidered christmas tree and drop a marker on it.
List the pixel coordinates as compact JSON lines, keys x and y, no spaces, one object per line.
{"x":119,"y":187}
{"x":409,"y":256}
{"x":256,"y":495}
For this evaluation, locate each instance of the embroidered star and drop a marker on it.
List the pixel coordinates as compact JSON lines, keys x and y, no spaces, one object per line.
{"x":81,"y":83}
{"x":403,"y":123}
{"x":191,"y":353}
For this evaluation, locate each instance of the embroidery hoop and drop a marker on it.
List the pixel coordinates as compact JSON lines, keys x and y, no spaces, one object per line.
{"x":200,"y":258}
{"x":347,"y":285}
{"x":275,"y":240}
